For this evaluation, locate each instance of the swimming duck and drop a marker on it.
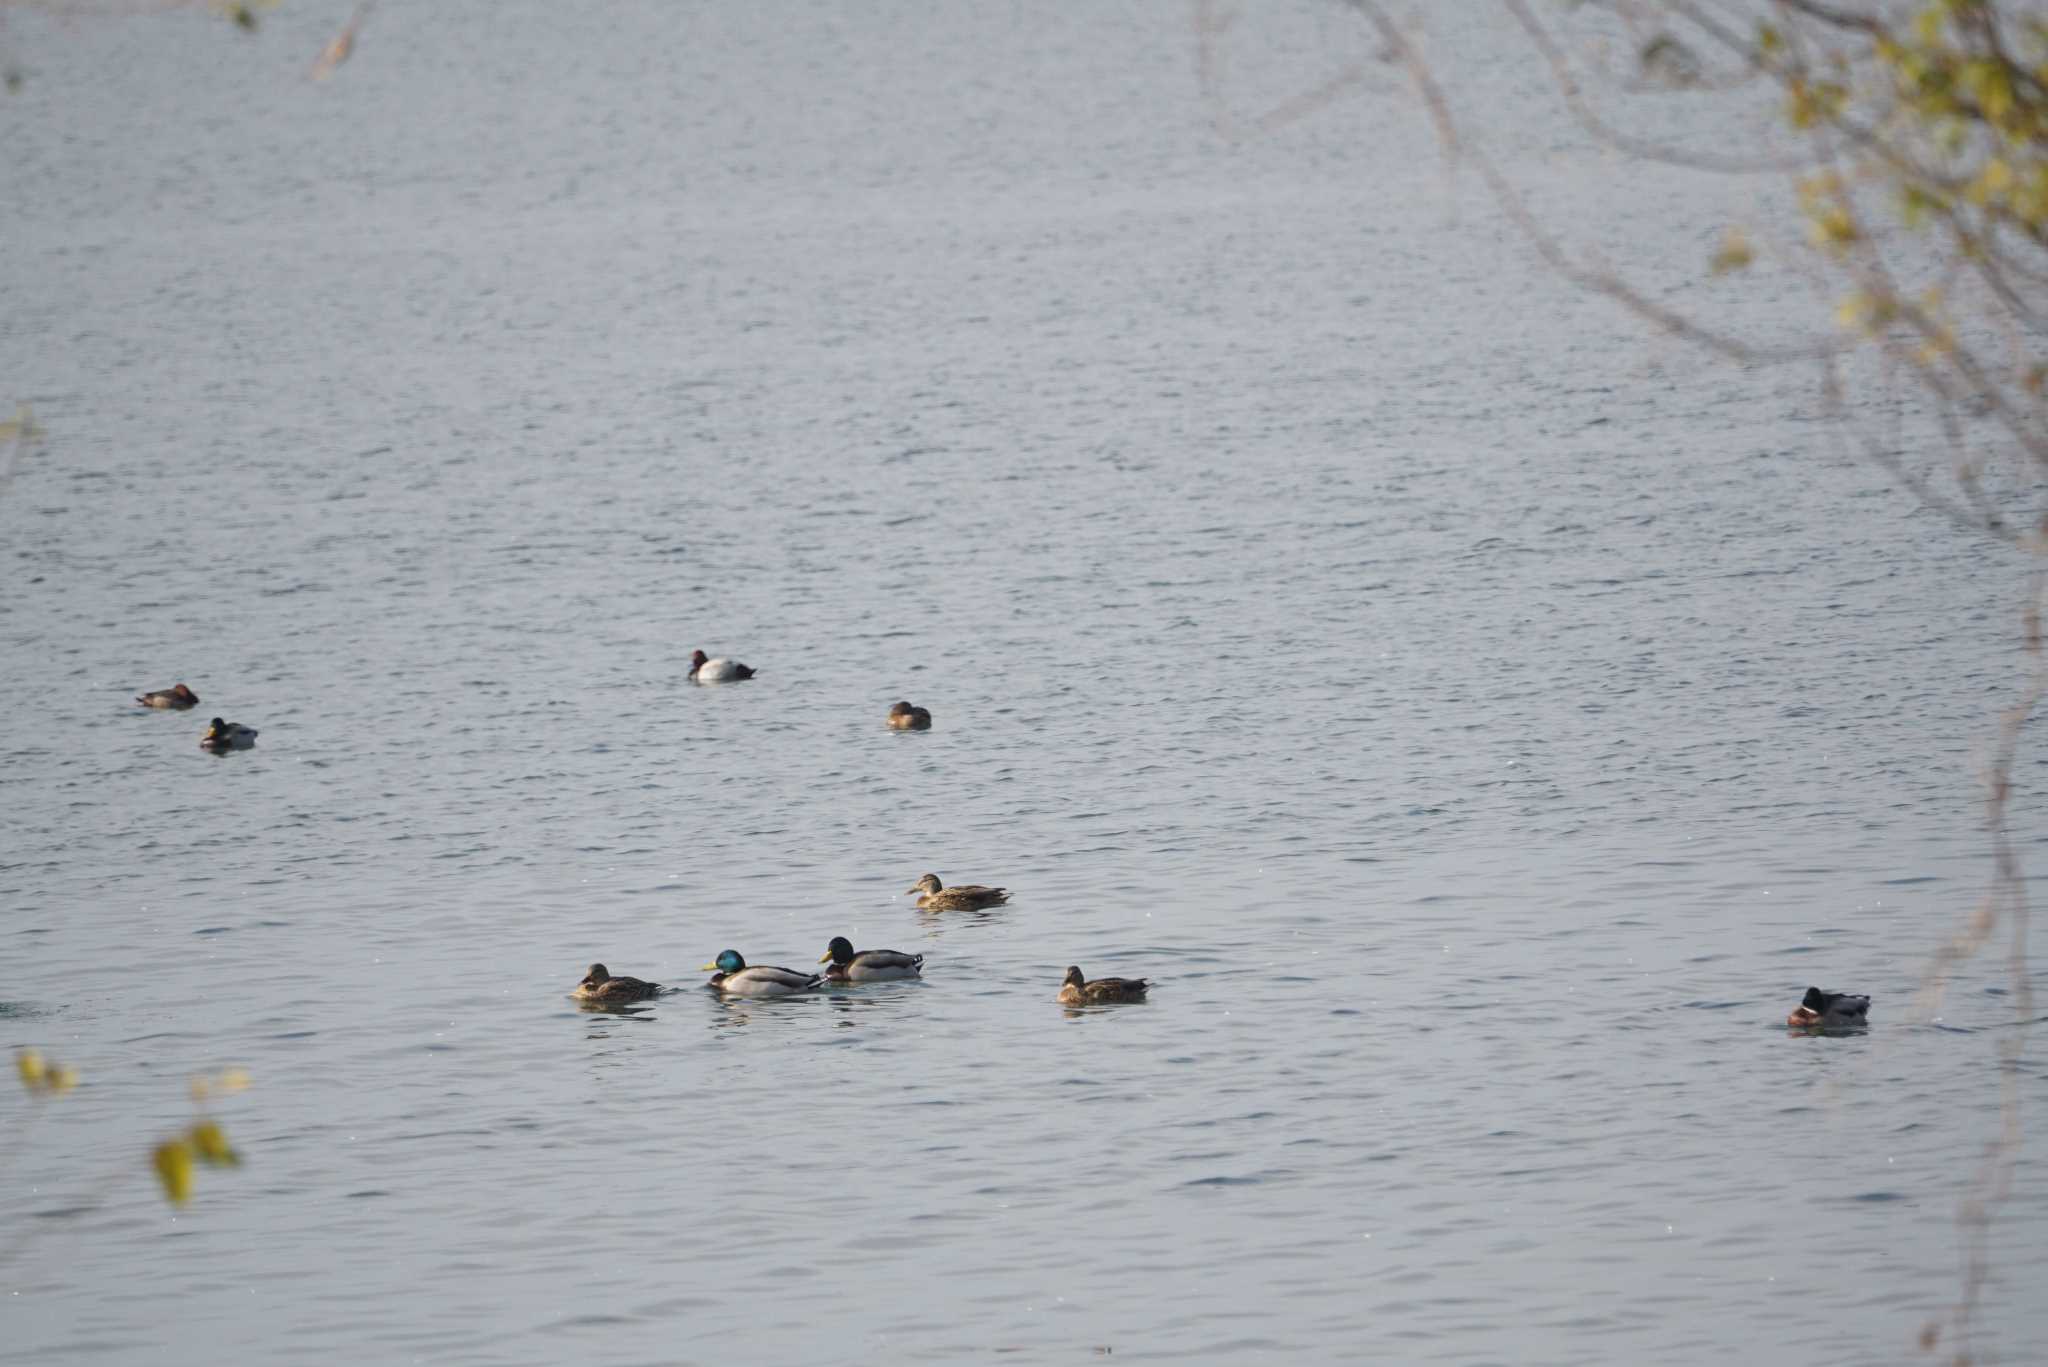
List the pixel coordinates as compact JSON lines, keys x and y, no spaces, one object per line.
{"x":1076,"y":990}
{"x":938,"y":897}
{"x":870,"y":965}
{"x":180,"y":697}
{"x":706,"y":670}
{"x":1829,"y":1010}
{"x":735,"y":979}
{"x":904,"y":717}
{"x":599,"y":985}
{"x":227,"y":735}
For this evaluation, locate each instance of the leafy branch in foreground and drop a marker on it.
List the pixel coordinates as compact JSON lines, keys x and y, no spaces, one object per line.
{"x":175,"y":1160}
{"x":1909,"y":141}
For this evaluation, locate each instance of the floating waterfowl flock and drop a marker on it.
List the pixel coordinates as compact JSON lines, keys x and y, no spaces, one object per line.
{"x":731,"y":975}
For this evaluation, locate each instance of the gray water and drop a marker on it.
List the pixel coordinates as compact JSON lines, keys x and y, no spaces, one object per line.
{"x":1480,"y":720}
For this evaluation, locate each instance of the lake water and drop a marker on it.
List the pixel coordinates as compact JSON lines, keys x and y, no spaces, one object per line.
{"x":1479,"y":719}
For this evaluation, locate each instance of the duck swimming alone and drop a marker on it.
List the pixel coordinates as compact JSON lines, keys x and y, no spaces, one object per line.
{"x":1830,"y":1010}
{"x":706,"y":670}
{"x":868,"y":966}
{"x":222,"y":736}
{"x":938,"y":897}
{"x":599,"y":985}
{"x":735,"y":979}
{"x":180,"y":697}
{"x":1076,"y":990}
{"x":904,"y":717}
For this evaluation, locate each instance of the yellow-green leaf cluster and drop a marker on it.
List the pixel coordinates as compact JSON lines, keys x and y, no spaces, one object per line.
{"x":177,"y":1160}
{"x":41,"y":1076}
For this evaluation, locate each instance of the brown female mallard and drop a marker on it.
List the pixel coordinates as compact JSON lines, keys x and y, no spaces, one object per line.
{"x":599,"y":985}
{"x":179,"y":697}
{"x":938,"y":897}
{"x":1076,"y":990}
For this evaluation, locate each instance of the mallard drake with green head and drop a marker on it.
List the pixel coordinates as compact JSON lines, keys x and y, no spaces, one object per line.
{"x":730,"y":975}
{"x":179,"y":697}
{"x":1076,"y":990}
{"x":904,"y":717}
{"x":599,"y":985}
{"x":938,"y":897}
{"x":222,"y":736}
{"x":868,"y":966}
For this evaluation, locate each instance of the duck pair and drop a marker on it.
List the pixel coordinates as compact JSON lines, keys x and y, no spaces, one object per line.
{"x":221,"y":736}
{"x":733,"y":976}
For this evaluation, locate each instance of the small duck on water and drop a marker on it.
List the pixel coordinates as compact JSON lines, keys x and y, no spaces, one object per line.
{"x":868,"y":966}
{"x":904,"y":717}
{"x":179,"y":697}
{"x":730,"y":975}
{"x":222,"y":736}
{"x":1830,"y":1010}
{"x":936,"y":896}
{"x":1076,"y":990}
{"x":707,"y":670}
{"x":599,"y":985}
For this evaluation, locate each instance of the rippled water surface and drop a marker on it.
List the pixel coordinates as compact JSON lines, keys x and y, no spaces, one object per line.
{"x":1479,"y":721}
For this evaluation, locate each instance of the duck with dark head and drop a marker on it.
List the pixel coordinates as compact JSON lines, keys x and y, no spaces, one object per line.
{"x":223,"y":736}
{"x":904,"y":717}
{"x":870,"y":965}
{"x":1820,"y":1010}
{"x":732,"y":975}
{"x":704,"y":669}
